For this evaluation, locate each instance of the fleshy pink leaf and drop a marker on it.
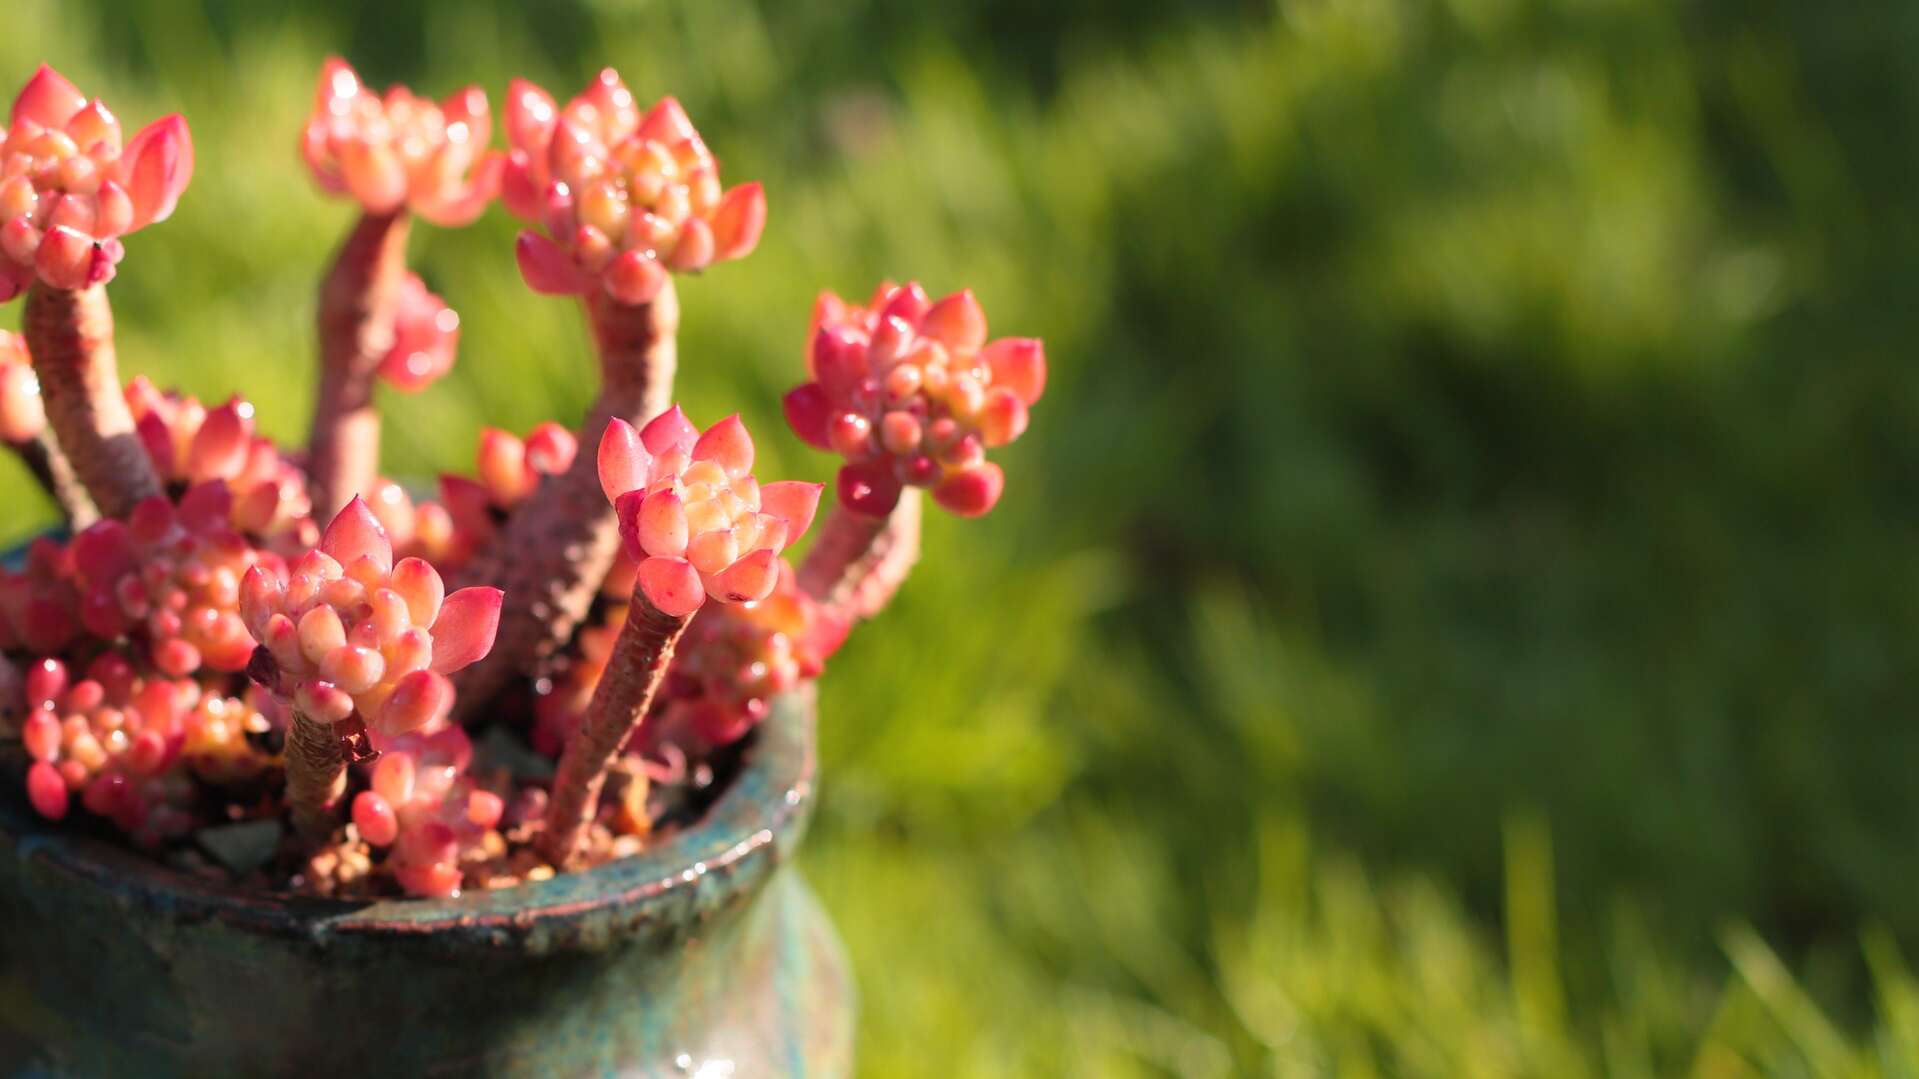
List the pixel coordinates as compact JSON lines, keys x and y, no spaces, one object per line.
{"x":728,"y":445}
{"x":418,"y":700}
{"x":530,"y":116}
{"x":838,"y":358}
{"x":546,"y":268}
{"x":672,"y":585}
{"x":47,"y":99}
{"x":661,"y":528}
{"x":1019,"y":364}
{"x":65,"y":258}
{"x":809,"y":412}
{"x":667,"y":122}
{"x":419,"y":584}
{"x":738,"y":221}
{"x":751,"y":579}
{"x":869,"y":488}
{"x":695,"y":249}
{"x":972,"y":492}
{"x":374,"y":174}
{"x":464,"y":631}
{"x":958,"y":321}
{"x":793,"y":500}
{"x":220,"y":446}
{"x":633,"y":279}
{"x":355,"y":534}
{"x":669,"y":431}
{"x":156,"y":167}
{"x":624,"y":460}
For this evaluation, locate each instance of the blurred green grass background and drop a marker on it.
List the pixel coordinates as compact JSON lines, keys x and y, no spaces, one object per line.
{"x":1456,"y":610}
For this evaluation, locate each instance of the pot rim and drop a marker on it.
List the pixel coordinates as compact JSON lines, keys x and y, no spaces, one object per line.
{"x":747,"y":831}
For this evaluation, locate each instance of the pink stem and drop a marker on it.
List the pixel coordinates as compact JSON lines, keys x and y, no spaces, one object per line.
{"x":559,"y":544}
{"x":316,"y":778}
{"x":70,"y":335}
{"x":633,"y":675}
{"x":358,"y":303}
{"x":859,"y":562}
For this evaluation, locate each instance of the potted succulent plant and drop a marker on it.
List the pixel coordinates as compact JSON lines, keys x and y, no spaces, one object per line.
{"x":300,"y":772}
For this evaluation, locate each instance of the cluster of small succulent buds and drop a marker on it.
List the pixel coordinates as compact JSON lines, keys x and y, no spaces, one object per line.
{"x":190,"y":444}
{"x":169,"y":579}
{"x":23,"y":416}
{"x":622,"y":197}
{"x":348,"y":631}
{"x":239,"y":660}
{"x":70,"y":188}
{"x":692,"y":515}
{"x":431,"y":816}
{"x":398,"y":151}
{"x":911,"y":393}
{"x":114,"y":740}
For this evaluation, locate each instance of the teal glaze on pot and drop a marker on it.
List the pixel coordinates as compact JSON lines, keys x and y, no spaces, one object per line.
{"x":706,"y":956}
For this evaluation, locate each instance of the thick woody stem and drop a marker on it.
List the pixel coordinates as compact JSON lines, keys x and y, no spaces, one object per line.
{"x":316,"y":777}
{"x":70,"y":335}
{"x":633,"y":675}
{"x":859,"y":562}
{"x":358,"y":302}
{"x":557,"y":548}
{"x":55,"y":475}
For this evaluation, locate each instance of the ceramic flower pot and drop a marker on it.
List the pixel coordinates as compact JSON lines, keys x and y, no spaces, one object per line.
{"x":706,"y":951}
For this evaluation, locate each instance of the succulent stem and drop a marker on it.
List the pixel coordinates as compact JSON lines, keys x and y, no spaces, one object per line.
{"x":859,"y":562}
{"x":55,"y":475}
{"x":316,"y":777}
{"x":358,"y":303}
{"x":70,"y":335}
{"x":633,"y":675}
{"x":555,"y":551}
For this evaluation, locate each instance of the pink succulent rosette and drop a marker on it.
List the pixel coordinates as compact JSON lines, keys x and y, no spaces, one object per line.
{"x":621,"y":198}
{"x":190,"y":443}
{"x":70,"y":187}
{"x":911,"y":393}
{"x":169,"y":580}
{"x":396,"y":151}
{"x":692,"y":515}
{"x":350,"y":631}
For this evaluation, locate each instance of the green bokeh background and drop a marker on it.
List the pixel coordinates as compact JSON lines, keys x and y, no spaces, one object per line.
{"x":1456,"y":610}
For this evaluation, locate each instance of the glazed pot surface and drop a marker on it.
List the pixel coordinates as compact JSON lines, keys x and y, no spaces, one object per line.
{"x":701,"y":951}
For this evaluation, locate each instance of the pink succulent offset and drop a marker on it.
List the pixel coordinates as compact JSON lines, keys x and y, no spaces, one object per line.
{"x":911,"y":393}
{"x":692,"y":515}
{"x":622,"y":197}
{"x":424,"y":807}
{"x":426,"y":335}
{"x":350,"y":632}
{"x":398,"y":151}
{"x":70,"y":188}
